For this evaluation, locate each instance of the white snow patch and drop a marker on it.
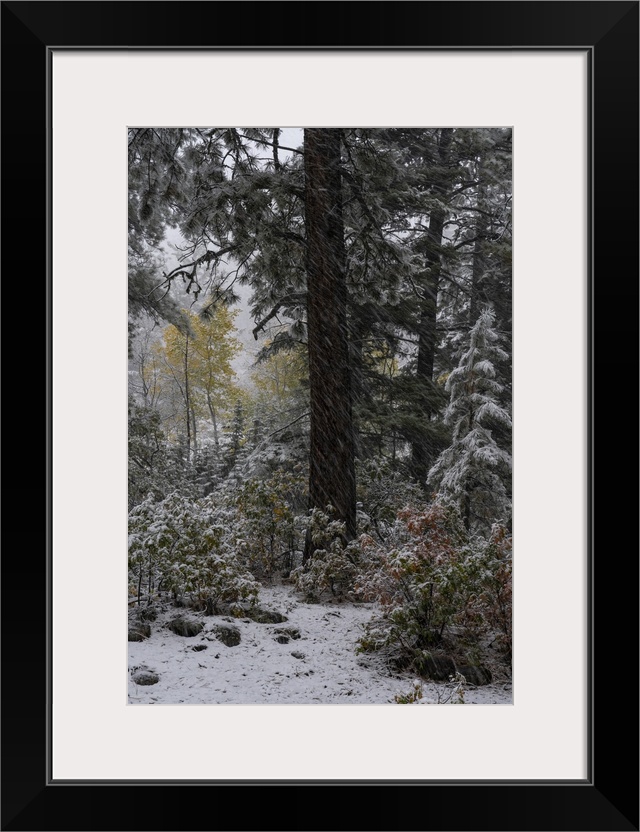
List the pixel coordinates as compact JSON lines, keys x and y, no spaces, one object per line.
{"x":261,"y":671}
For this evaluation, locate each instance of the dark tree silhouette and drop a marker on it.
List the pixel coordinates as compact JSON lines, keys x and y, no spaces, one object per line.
{"x":332,"y":467}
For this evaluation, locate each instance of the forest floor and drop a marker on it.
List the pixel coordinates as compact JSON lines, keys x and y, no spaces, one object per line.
{"x":318,"y":666}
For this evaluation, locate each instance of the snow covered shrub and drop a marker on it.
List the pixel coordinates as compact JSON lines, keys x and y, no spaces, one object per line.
{"x":333,"y":566}
{"x":267,"y":537}
{"x":383,"y":491}
{"x":424,"y":576}
{"x":452,"y":695}
{"x":434,"y":581}
{"x":412,"y":696}
{"x":493,"y":603}
{"x":179,"y":544}
{"x":417,"y":578}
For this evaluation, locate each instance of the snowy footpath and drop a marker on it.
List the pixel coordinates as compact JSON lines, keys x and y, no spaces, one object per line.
{"x":309,"y":659}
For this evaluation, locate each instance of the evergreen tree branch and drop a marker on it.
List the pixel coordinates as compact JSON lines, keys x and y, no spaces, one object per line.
{"x":288,"y":300}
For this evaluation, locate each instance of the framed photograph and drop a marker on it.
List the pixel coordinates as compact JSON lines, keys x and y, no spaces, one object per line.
{"x":560,"y":80}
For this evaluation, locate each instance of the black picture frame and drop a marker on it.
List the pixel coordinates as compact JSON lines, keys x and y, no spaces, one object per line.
{"x":608,"y":798}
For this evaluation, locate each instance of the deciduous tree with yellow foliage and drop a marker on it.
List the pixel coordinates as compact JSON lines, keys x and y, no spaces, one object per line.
{"x":198,"y":363}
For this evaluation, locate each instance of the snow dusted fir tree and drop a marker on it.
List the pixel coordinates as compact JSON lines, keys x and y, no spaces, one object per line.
{"x":473,"y":471}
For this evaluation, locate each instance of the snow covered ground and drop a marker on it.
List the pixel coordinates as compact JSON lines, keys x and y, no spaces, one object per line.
{"x":319,"y":667}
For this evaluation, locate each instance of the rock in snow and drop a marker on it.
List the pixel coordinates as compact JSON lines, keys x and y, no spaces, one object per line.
{"x":146,"y":677}
{"x":228,"y":635}
{"x":185,"y":627}
{"x":139,"y":631}
{"x":262,"y":616}
{"x":475,"y":674}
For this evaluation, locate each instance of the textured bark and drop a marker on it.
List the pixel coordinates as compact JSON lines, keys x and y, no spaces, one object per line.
{"x":422,"y":456}
{"x":332,"y":468}
{"x":478,"y":296}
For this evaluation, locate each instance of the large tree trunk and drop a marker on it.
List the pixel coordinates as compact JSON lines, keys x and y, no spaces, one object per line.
{"x":422,"y":455}
{"x":332,"y":468}
{"x":478,"y":295}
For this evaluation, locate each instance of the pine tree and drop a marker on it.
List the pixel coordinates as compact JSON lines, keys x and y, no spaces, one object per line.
{"x":474,"y":470}
{"x":236,"y":451}
{"x":332,"y":478}
{"x":151,"y":469}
